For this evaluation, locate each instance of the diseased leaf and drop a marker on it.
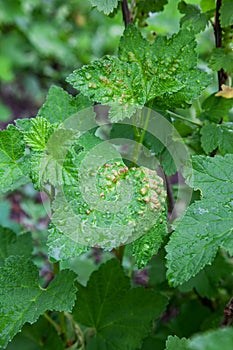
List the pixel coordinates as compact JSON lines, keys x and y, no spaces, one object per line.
{"x":213,"y":340}
{"x":109,"y":204}
{"x":207,"y":224}
{"x":217,"y":135}
{"x":226,"y":13}
{"x":164,"y":71}
{"x":111,"y":82}
{"x":11,"y":244}
{"x":23,"y":300}
{"x":13,"y":164}
{"x":106,"y":6}
{"x":175,"y":343}
{"x":116,"y":312}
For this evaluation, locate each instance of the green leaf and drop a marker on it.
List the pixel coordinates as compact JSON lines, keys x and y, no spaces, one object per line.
{"x":207,"y":224}
{"x":120,"y":316}
{"x":111,"y":82}
{"x":217,"y":135}
{"x":106,"y":6}
{"x":23,"y":300}
{"x":207,"y":5}
{"x":175,"y":343}
{"x":11,"y":244}
{"x":151,"y":5}
{"x":208,"y":281}
{"x":226,"y":13}
{"x":13,"y":167}
{"x":48,"y":167}
{"x":213,"y":176}
{"x":213,"y":340}
{"x":209,"y":137}
{"x":193,"y":16}
{"x":38,"y":134}
{"x":222,"y":58}
{"x":216,"y":108}
{"x":40,"y":335}
{"x":59,"y":105}
{"x":148,"y":245}
{"x":62,"y":247}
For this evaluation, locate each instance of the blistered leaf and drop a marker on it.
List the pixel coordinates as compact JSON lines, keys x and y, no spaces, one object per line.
{"x":13,"y":165}
{"x":109,"y":206}
{"x":164,"y":71}
{"x":106,"y":6}
{"x":23,"y":300}
{"x":111,"y":82}
{"x":120,"y":316}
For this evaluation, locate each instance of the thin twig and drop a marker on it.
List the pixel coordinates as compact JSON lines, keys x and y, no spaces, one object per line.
{"x":222,"y":76}
{"x":171,"y":201}
{"x":125,"y":12}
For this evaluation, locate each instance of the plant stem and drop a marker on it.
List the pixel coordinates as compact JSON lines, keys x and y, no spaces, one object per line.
{"x":53,"y":323}
{"x":171,"y":201}
{"x":62,"y":321}
{"x":125,"y":12}
{"x":222,"y":76}
{"x":119,"y":252}
{"x":183,"y":118}
{"x":77,"y":330}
